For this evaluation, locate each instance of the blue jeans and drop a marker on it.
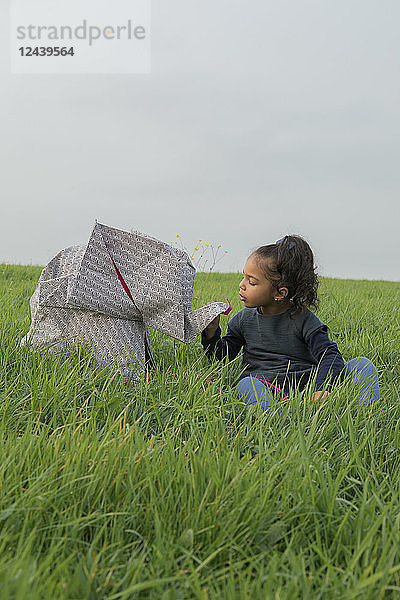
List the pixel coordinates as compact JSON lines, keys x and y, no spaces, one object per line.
{"x":360,"y":368}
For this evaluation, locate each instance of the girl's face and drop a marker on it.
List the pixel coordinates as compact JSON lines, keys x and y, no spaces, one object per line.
{"x":256,"y":290}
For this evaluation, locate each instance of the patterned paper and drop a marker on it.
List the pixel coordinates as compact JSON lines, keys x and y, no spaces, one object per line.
{"x":106,"y":294}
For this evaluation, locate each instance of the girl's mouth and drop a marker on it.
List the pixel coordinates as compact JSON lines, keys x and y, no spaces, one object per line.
{"x":241,"y":297}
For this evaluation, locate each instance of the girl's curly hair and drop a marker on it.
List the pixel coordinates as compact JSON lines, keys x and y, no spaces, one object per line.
{"x":291,"y":265}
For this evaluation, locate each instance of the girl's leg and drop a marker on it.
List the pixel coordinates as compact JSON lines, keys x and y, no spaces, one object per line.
{"x":253,"y":391}
{"x":364,"y":371}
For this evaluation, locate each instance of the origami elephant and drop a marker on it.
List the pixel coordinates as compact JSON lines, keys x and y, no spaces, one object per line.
{"x":105,"y":295}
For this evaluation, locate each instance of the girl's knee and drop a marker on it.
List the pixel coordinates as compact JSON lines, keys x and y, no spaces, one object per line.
{"x":365,"y":373}
{"x":250,"y":385}
{"x":360,"y":364}
{"x":253,"y":391}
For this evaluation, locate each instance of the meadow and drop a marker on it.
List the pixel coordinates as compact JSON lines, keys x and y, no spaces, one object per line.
{"x":172,"y":490}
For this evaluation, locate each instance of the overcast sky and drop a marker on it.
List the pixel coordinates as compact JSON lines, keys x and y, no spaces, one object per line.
{"x":259,"y":118}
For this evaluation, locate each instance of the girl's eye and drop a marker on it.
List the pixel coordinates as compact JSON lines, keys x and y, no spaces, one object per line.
{"x":249,"y":282}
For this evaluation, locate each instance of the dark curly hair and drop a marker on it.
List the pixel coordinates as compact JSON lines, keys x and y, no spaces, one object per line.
{"x":291,"y":265}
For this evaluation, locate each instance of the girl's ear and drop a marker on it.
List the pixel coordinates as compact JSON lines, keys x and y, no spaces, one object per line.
{"x":282,"y":293}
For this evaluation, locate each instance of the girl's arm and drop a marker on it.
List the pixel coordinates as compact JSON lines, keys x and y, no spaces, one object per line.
{"x":219,"y":348}
{"x":329,"y":358}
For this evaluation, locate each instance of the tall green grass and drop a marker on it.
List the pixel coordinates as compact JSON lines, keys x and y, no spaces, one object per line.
{"x":171,"y":490}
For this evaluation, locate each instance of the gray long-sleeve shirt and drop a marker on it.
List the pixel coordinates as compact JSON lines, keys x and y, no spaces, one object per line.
{"x":285,"y":348}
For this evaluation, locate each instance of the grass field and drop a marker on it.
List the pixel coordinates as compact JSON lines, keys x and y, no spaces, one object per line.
{"x":173,"y":491}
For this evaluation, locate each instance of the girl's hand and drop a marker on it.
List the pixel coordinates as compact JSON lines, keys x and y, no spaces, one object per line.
{"x":212,"y":327}
{"x":319,"y":396}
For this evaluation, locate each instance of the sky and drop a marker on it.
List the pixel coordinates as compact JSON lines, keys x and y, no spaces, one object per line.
{"x":258,"y":119}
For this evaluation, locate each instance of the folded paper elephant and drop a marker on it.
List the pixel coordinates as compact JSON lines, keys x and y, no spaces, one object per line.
{"x":105,"y":295}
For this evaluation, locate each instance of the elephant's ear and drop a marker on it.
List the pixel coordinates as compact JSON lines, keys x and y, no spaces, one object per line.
{"x":198,"y":320}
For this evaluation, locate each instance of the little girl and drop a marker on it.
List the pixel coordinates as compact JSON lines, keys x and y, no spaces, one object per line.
{"x":284,"y":343}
